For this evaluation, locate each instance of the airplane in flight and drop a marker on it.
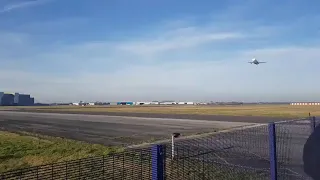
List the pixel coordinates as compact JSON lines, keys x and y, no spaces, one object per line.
{"x":255,"y":61}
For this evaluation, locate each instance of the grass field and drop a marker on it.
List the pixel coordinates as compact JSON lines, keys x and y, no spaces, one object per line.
{"x":244,"y":110}
{"x":25,"y":150}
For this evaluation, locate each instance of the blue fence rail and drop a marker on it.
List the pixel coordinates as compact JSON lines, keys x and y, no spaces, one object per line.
{"x":264,"y":151}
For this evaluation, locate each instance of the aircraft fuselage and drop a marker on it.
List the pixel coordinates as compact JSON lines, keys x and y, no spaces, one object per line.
{"x":255,"y":62}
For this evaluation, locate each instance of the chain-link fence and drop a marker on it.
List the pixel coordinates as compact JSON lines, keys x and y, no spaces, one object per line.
{"x":129,"y":165}
{"x":243,"y":153}
{"x":290,"y":150}
{"x":317,"y":120}
{"x":234,"y":154}
{"x":250,"y":152}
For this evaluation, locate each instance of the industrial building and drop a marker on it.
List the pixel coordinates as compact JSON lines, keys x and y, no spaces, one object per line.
{"x":164,"y":103}
{"x":306,"y":104}
{"x":1,"y":95}
{"x":23,"y":100}
{"x":186,"y":103}
{"x":142,"y":103}
{"x":168,"y":103}
{"x":113,"y":103}
{"x":16,"y":99}
{"x":147,"y":103}
{"x":7,"y":99}
{"x":154,"y":102}
{"x":125,"y":103}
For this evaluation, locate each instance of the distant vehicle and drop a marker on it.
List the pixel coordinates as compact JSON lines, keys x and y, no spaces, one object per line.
{"x":255,"y":61}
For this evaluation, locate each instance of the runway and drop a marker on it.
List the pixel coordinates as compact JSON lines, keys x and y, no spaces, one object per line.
{"x":107,"y":130}
{"x":224,"y":118}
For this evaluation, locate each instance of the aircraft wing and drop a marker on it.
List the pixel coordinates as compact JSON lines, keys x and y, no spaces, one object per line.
{"x":250,"y":62}
{"x":262,"y":62}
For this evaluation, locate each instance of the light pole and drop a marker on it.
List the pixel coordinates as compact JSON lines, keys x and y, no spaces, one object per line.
{"x":173,"y":136}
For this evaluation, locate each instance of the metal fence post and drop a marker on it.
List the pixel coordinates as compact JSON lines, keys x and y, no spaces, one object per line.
{"x":157,"y":156}
{"x":273,"y":151}
{"x":103,"y":164}
{"x":313,"y":123}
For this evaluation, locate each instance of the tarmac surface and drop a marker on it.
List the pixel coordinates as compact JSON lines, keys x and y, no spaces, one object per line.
{"x":249,"y":119}
{"x":107,"y":130}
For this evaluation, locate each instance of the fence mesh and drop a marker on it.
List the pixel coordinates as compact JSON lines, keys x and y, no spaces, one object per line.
{"x":239,"y":154}
{"x":291,"y":138}
{"x":234,"y":154}
{"x":317,"y":120}
{"x":129,"y":165}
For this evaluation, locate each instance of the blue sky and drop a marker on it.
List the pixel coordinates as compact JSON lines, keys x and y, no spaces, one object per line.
{"x":144,"y":50}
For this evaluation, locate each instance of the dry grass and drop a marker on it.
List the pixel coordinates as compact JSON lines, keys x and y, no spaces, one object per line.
{"x":244,"y":110}
{"x":25,"y":150}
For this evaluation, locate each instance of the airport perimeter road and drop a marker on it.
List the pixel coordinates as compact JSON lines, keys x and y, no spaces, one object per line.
{"x":108,"y":130}
{"x":249,"y":119}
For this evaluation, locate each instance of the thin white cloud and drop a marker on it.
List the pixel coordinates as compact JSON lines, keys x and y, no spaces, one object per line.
{"x":21,"y":5}
{"x":281,"y":79}
{"x":185,"y":62}
{"x":179,"y":38}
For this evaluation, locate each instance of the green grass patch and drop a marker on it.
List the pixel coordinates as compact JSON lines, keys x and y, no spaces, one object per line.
{"x":25,"y":150}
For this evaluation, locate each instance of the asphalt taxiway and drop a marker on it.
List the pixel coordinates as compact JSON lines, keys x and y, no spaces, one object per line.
{"x":225,"y":118}
{"x":107,"y":130}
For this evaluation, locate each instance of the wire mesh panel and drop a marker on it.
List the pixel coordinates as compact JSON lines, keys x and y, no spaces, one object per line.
{"x":237,"y":154}
{"x":135,"y":164}
{"x":242,"y":153}
{"x":291,"y":137}
{"x":317,"y":120}
{"x":129,"y":165}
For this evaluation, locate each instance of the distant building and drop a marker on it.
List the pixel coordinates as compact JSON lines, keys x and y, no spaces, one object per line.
{"x":101,"y":103}
{"x":113,"y":103}
{"x":142,"y":103}
{"x":168,"y":102}
{"x":306,"y":104}
{"x":1,"y":94}
{"x":139,"y":103}
{"x":125,"y":103}
{"x":202,"y":103}
{"x":7,"y":99}
{"x":185,"y":103}
{"x":23,"y":100}
{"x":32,"y":101}
{"x":16,"y":99}
{"x":155,"y":103}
